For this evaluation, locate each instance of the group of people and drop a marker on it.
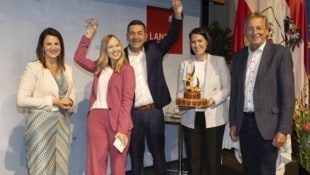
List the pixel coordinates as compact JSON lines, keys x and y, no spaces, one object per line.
{"x":129,"y":91}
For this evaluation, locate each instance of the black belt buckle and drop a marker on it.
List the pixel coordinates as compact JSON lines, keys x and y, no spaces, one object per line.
{"x":249,"y":114}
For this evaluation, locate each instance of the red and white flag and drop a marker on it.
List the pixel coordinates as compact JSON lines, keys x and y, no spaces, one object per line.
{"x":277,"y":11}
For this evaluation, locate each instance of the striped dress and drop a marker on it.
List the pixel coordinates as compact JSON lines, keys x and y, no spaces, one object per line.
{"x":47,"y":139}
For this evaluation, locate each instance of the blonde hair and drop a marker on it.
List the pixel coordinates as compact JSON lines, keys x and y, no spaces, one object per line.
{"x":104,"y":61}
{"x":256,"y":15}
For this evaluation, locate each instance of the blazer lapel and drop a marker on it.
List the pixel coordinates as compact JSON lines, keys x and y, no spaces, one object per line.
{"x":263,"y":63}
{"x":148,"y":60}
{"x":208,"y":74}
{"x":242,"y":67}
{"x":95,"y":83}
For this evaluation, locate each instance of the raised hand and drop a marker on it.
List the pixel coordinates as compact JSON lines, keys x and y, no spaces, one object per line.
{"x":177,"y":7}
{"x":91,"y":27}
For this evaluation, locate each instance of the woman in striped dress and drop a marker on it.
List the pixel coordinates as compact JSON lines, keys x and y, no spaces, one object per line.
{"x":46,"y":92}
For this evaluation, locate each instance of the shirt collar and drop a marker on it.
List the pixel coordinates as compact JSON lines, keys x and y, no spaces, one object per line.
{"x":133,"y":53}
{"x":260,"y":49}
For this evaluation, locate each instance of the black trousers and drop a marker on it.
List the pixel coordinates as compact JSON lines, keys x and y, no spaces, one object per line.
{"x":148,"y":125}
{"x":203,"y":147}
{"x":259,"y":156}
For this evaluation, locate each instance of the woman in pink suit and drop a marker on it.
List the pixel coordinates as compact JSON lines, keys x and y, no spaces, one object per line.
{"x":110,"y":103}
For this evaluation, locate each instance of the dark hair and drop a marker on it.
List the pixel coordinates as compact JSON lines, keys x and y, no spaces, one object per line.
{"x":40,"y":52}
{"x":136,"y":22}
{"x":204,"y":33}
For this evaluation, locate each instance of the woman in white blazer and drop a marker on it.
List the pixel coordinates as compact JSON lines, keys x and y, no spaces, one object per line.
{"x":204,"y":128}
{"x":47,"y":94}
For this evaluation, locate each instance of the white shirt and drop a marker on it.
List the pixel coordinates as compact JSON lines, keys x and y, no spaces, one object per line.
{"x":102,"y":90}
{"x":142,"y":92}
{"x":250,"y":79}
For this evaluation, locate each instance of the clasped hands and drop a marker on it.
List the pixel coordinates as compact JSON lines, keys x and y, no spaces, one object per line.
{"x":64,"y":103}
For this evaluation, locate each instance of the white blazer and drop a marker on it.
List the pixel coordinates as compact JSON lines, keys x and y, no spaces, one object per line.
{"x":38,"y":88}
{"x":217,"y":86}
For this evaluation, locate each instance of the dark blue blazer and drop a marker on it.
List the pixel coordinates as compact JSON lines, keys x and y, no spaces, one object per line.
{"x":154,"y":64}
{"x":274,"y":95}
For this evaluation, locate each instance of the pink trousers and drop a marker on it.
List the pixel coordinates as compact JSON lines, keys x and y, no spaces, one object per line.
{"x":100,"y":138}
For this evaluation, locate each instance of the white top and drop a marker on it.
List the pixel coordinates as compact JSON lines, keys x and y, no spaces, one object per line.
{"x":102,"y":90}
{"x":200,"y":74}
{"x":251,"y":72}
{"x":142,"y":92}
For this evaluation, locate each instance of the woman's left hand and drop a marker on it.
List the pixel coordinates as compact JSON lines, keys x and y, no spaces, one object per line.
{"x":211,"y":101}
{"x":123,"y":138}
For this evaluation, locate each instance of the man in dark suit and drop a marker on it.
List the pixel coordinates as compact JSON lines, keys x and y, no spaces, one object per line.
{"x":262,"y":98}
{"x":151,"y":93}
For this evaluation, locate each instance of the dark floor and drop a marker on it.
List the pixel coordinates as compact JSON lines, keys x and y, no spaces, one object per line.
{"x":230,"y":166}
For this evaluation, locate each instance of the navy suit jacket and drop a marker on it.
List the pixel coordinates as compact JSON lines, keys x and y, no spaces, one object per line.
{"x":154,"y":64}
{"x":274,"y":95}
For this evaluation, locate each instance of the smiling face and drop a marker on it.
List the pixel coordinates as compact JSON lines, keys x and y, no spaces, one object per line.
{"x":51,"y":47}
{"x":114,"y":49}
{"x":198,"y":44}
{"x":136,"y":36}
{"x":256,"y":32}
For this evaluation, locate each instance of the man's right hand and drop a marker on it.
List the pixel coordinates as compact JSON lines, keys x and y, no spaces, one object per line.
{"x":233,"y":134}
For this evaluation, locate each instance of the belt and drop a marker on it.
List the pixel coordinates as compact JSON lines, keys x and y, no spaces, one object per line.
{"x":145,"y":107}
{"x":249,"y":114}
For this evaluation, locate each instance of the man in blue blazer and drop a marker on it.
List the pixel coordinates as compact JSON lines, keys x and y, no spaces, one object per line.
{"x":262,"y":98}
{"x":151,"y":93}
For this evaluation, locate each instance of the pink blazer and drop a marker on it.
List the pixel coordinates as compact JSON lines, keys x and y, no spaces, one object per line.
{"x":121,"y":89}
